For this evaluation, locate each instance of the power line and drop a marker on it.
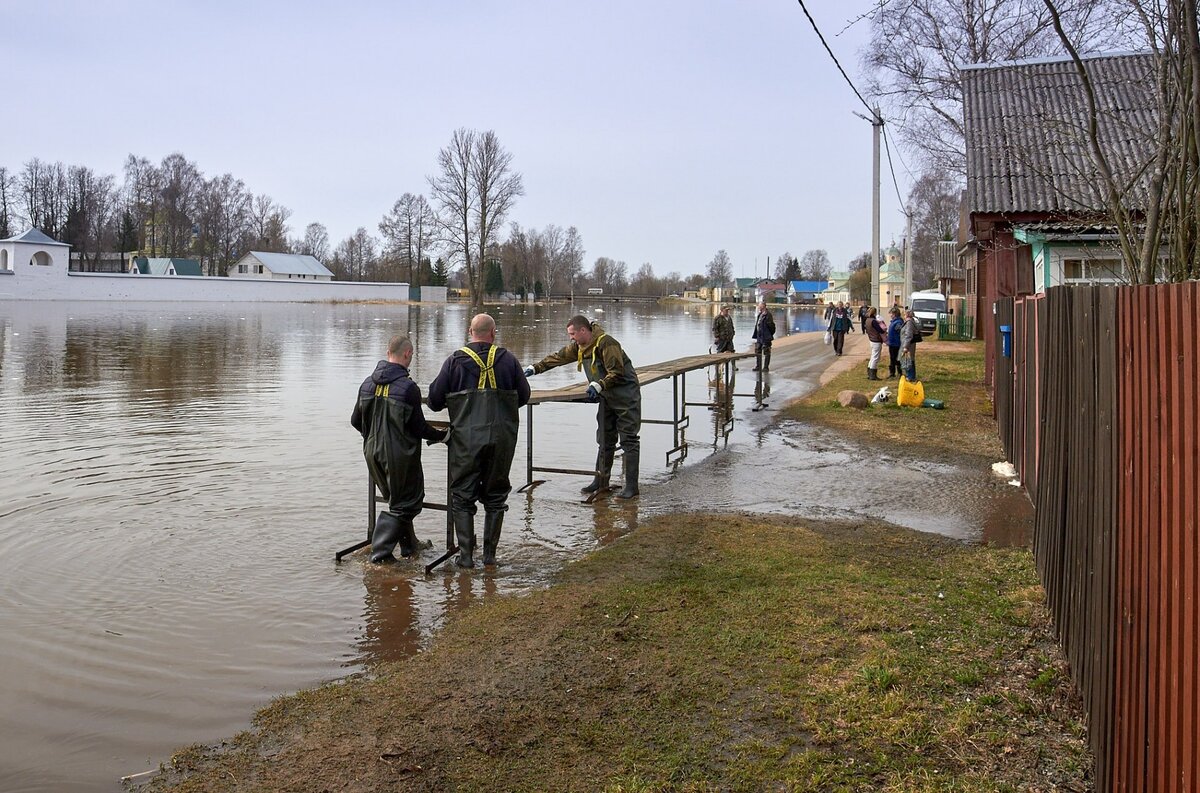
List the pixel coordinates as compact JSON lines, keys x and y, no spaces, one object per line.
{"x":887,"y":147}
{"x":812,"y":22}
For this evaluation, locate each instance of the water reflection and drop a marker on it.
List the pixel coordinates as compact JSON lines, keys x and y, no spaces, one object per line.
{"x":175,"y":479}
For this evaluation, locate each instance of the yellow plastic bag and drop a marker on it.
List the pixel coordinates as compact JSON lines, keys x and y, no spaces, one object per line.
{"x":911,"y":394}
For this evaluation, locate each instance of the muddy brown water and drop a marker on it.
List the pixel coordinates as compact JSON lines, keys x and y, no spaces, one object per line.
{"x":174,"y":481}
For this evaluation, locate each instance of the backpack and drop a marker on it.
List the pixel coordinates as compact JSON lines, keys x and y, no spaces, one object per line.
{"x":918,"y":335}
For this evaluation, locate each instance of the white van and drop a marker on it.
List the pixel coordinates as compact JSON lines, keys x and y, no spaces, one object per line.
{"x":926,"y":307}
{"x":595,"y":290}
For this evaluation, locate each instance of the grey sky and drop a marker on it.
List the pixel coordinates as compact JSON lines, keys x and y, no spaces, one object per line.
{"x":664,"y":130}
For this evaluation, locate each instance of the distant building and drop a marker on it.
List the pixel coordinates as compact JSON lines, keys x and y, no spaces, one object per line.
{"x":155,"y":265}
{"x":744,"y":289}
{"x":113,"y":262}
{"x":805,"y":291}
{"x":891,"y":279}
{"x":279,"y":266}
{"x":838,"y":288}
{"x":770,"y":291}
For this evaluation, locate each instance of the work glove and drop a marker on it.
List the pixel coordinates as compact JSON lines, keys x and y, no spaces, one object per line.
{"x":594,"y":389}
{"x":529,"y":371}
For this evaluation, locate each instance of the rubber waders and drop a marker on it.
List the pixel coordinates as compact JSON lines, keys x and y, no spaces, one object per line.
{"x":492,"y":523}
{"x":603,"y":472}
{"x":464,"y":532}
{"x":631,"y":463}
{"x":388,"y":532}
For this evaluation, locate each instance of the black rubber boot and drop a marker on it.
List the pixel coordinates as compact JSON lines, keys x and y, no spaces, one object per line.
{"x":603,"y":471}
{"x":631,"y":461}
{"x":408,"y":538}
{"x":388,"y":531}
{"x":766,"y":359}
{"x":492,"y":523}
{"x":872,"y":374}
{"x":464,"y":532}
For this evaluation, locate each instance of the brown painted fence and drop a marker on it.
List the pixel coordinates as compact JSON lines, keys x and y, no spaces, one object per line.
{"x":1098,"y":407}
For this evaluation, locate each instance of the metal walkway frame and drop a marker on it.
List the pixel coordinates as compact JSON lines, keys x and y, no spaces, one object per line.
{"x":680,"y":420}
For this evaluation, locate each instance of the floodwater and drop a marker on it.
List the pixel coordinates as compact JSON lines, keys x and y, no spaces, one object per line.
{"x":175,"y":479}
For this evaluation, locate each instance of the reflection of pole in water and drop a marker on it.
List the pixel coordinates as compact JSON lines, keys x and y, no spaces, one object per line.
{"x":720,"y":389}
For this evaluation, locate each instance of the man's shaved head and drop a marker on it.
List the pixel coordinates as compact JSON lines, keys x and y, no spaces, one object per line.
{"x":483,"y":327}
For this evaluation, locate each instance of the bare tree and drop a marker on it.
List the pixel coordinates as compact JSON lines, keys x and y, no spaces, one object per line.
{"x":315,"y":242}
{"x":720,"y":268}
{"x":454,"y":198}
{"x":934,"y":205}
{"x":814,"y":265}
{"x":180,"y":184}
{"x":356,"y":257}
{"x":917,"y":47}
{"x":91,"y":207}
{"x":571,"y":257}
{"x":268,"y":224}
{"x":787,"y":267}
{"x":609,"y":274}
{"x":141,"y":198}
{"x":224,"y":219}
{"x":407,"y":231}
{"x":43,"y":189}
{"x":8,"y":204}
{"x":495,"y":185}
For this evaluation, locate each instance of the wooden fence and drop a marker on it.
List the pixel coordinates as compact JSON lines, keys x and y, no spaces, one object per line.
{"x":1098,"y":407}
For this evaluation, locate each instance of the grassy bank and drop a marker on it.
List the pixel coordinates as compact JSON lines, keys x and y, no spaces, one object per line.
{"x":950,"y":371}
{"x":704,"y":652}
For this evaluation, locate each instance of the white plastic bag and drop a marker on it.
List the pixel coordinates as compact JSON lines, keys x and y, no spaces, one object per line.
{"x":829,"y":337}
{"x":882,"y":395}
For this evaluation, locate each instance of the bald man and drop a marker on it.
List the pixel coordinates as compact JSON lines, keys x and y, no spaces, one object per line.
{"x":484,"y":387}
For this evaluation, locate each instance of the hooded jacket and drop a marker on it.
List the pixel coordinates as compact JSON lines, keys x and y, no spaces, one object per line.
{"x":388,"y":415}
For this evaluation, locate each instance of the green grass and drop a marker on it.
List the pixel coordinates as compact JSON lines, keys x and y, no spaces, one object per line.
{"x":952,"y":372}
{"x":710,"y":653}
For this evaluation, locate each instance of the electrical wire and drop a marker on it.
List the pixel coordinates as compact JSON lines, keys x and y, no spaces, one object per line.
{"x":813,"y":22}
{"x":887,"y":147}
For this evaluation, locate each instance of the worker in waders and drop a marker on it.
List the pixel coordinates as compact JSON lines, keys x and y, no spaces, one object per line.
{"x":484,"y":388}
{"x":388,"y":414}
{"x":613,"y":383}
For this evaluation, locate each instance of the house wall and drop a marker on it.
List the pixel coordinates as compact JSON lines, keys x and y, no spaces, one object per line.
{"x":54,"y":282}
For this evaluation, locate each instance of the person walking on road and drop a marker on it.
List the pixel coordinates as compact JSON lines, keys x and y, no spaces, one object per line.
{"x":862,"y":317}
{"x":722,"y":328}
{"x":484,"y":388}
{"x":614,"y":384}
{"x":764,"y":334}
{"x":388,"y":415}
{"x":840,"y":321}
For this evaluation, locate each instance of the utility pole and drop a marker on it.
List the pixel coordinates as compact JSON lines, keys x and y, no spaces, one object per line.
{"x":876,"y":126}
{"x":908,"y":261}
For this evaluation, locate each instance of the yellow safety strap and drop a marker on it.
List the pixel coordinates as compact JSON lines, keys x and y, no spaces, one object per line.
{"x":487,"y":373}
{"x":382,"y":390}
{"x":595,"y":346}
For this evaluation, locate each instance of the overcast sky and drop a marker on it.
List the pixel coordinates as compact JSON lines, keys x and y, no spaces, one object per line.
{"x":663,"y":129}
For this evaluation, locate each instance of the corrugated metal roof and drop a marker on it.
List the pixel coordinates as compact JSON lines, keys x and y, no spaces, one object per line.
{"x":1026,"y":131}
{"x":34,"y":236}
{"x":293,"y":263}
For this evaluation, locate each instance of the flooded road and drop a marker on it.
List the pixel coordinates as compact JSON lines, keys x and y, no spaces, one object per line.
{"x":175,"y":479}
